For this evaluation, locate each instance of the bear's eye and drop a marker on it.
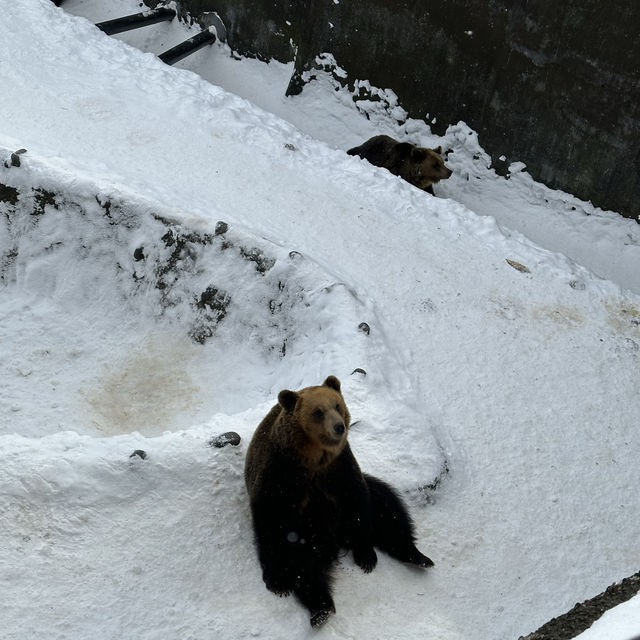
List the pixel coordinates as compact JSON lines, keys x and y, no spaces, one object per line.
{"x":436,"y":165}
{"x":338,"y":408}
{"x":318,"y":414}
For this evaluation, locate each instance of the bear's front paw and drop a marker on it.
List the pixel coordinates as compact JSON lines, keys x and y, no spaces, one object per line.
{"x":320,"y":616}
{"x":366,"y":559}
{"x":277,"y":584}
{"x":279,"y":590}
{"x":419,"y":559}
{"x":424,"y":562}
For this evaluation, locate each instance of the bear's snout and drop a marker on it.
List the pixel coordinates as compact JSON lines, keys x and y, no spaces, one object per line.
{"x":338,"y":428}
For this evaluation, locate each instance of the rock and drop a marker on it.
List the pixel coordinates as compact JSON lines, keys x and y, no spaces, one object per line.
{"x":230,"y":437}
{"x":15,"y":158}
{"x":221,"y":228}
{"x":518,"y":266}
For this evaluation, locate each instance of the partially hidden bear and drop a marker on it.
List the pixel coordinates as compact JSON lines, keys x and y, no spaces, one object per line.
{"x":309,"y":499}
{"x":420,"y":166}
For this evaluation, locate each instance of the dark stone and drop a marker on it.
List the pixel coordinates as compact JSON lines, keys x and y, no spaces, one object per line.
{"x":212,"y":306}
{"x":42,"y":199}
{"x":169,"y":239}
{"x":263,"y":263}
{"x":221,"y":228}
{"x":230,"y":437}
{"x":138,"y":254}
{"x":139,"y":453}
{"x":215,"y":300}
{"x":364,"y":327}
{"x":8,"y":194}
{"x":15,"y":157}
{"x":184,"y":253}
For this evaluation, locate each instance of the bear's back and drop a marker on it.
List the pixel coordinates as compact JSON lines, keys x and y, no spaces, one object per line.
{"x":377,"y":150}
{"x":261,"y":451}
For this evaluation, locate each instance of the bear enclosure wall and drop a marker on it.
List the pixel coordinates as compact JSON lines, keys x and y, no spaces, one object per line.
{"x":555,"y":85}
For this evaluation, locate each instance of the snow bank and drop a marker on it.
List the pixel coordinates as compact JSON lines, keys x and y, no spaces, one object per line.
{"x":619,"y":623}
{"x":117,"y":286}
{"x":110,"y":325}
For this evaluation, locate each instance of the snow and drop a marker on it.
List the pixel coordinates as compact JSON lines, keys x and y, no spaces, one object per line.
{"x":522,"y":386}
{"x":620,"y":622}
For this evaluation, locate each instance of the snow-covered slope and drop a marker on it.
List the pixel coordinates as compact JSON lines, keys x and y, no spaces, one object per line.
{"x":218,"y":300}
{"x":130,"y":320}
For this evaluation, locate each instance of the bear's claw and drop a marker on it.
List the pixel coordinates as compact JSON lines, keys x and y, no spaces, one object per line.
{"x":420,"y":560}
{"x":366,"y":560}
{"x":319,"y":617}
{"x":280,"y":592}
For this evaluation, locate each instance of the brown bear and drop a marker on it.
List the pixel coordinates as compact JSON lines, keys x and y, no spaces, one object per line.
{"x":309,"y":499}
{"x":420,"y":166}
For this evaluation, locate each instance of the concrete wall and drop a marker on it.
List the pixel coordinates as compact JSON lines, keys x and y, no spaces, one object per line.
{"x":555,"y":85}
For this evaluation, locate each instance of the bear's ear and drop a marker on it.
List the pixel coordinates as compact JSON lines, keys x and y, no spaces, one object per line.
{"x":288,"y":399}
{"x":438,"y":150}
{"x":332,"y":382}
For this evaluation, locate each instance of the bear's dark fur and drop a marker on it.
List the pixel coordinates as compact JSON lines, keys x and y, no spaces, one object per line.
{"x":420,"y":166}
{"x":309,"y":499}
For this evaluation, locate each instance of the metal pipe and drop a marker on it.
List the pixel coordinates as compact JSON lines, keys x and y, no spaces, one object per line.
{"x":137,"y":20}
{"x":188,"y":47}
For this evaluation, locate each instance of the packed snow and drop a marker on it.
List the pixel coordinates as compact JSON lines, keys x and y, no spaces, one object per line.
{"x":488,"y":341}
{"x":622,"y":621}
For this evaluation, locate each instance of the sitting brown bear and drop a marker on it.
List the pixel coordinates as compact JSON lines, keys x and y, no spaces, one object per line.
{"x":420,"y":166}
{"x":309,"y":499}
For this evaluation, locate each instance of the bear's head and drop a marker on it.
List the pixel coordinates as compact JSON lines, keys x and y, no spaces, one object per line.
{"x":423,"y":167}
{"x":320,"y":419}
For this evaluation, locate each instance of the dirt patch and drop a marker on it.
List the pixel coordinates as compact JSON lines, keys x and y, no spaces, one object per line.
{"x":147,"y":391}
{"x":563,"y":315}
{"x":624,"y":318}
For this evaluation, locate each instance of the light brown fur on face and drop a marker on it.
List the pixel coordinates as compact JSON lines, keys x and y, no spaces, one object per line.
{"x":427,"y":167}
{"x":314,"y":420}
{"x":322,"y":416}
{"x":304,"y":424}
